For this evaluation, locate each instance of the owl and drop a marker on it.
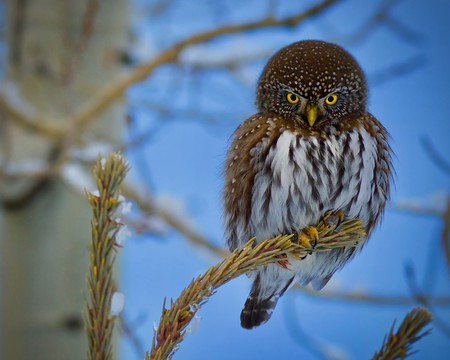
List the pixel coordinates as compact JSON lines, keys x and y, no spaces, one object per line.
{"x":312,"y":148}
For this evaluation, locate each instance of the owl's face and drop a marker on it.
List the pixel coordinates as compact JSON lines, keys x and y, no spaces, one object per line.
{"x":313,"y":83}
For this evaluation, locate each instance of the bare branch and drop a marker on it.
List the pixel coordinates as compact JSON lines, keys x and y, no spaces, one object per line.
{"x":416,"y":209}
{"x":116,"y":90}
{"x":179,"y":225}
{"x":146,"y":205}
{"x":445,"y":235}
{"x":383,"y":16}
{"x":372,"y":298}
{"x":38,"y":125}
{"x":81,"y":43}
{"x":434,"y":155}
{"x":396,"y":70}
{"x":424,"y":300}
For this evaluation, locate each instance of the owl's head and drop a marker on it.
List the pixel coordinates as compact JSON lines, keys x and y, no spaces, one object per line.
{"x":314,"y":82}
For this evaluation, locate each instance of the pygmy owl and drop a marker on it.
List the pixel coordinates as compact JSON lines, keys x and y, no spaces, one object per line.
{"x":311,"y":149}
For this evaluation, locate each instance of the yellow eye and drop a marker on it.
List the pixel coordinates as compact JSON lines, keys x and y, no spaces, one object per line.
{"x":331,"y":99}
{"x":292,"y":98}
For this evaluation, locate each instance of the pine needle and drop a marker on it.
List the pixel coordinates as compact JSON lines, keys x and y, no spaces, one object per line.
{"x":398,"y":345}
{"x":174,"y":322}
{"x":109,"y":173}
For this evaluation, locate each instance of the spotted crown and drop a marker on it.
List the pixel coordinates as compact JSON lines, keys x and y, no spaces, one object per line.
{"x":312,"y":69}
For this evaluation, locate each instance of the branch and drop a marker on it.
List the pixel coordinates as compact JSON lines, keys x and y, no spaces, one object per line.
{"x":79,"y":47}
{"x":197,"y":239}
{"x":147,"y":206}
{"x":421,"y":299}
{"x":394,"y":71}
{"x":383,"y":16}
{"x":438,"y":159}
{"x":99,"y":317}
{"x":398,"y":345}
{"x":116,"y":90}
{"x":35,"y":124}
{"x":416,"y":209}
{"x":174,"y":322}
{"x":445,"y":235}
{"x":372,"y":298}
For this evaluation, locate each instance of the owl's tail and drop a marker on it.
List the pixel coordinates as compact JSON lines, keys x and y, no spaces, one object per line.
{"x":257,"y":309}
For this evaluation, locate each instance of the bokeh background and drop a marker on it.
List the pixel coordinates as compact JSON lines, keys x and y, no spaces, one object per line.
{"x":179,"y":123}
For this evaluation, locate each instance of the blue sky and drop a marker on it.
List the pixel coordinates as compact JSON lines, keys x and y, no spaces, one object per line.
{"x":184,"y":157}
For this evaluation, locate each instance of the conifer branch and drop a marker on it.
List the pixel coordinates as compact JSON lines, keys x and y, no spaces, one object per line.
{"x":99,"y":320}
{"x":174,"y":322}
{"x":398,"y":345}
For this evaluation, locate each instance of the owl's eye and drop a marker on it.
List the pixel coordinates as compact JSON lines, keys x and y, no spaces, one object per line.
{"x":331,"y":99}
{"x":292,"y":98}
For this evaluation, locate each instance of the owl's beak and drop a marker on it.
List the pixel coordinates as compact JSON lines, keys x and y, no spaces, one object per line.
{"x":311,"y":114}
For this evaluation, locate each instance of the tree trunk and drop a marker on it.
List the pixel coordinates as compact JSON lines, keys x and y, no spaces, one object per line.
{"x":60,"y":54}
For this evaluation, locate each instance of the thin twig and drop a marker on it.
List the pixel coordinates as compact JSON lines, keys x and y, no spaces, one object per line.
{"x":146,"y":205}
{"x":34,"y":124}
{"x":81,"y":43}
{"x":398,"y":345}
{"x":372,"y":298}
{"x":421,"y":299}
{"x":115,"y":90}
{"x":416,"y":209}
{"x":445,"y":235}
{"x":396,"y":70}
{"x":439,"y":160}
{"x":382,"y":16}
{"x":128,"y":330}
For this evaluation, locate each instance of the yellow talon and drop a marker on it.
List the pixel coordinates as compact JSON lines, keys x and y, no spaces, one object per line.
{"x":340,"y":215}
{"x":308,"y":235}
{"x":333,"y":220}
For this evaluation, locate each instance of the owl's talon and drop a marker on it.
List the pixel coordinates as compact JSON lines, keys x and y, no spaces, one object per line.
{"x":340,"y":216}
{"x":308,"y":237}
{"x":334,"y":220}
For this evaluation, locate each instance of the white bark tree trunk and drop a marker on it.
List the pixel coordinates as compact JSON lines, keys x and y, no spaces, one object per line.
{"x":60,"y":54}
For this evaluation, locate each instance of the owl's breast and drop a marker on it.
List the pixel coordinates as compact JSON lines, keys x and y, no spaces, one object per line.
{"x":301,"y":178}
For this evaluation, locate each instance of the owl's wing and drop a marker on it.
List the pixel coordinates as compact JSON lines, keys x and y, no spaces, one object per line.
{"x":383,"y":171}
{"x":251,"y":142}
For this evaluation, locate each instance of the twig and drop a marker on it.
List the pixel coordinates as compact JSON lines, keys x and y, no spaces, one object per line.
{"x":35,"y":124}
{"x":383,"y":16}
{"x":81,"y":43}
{"x":176,"y":223}
{"x":445,"y":235}
{"x":397,"y":70}
{"x":129,"y":331}
{"x":398,"y":345}
{"x":416,"y":209}
{"x":372,"y":298}
{"x":104,"y":228}
{"x":146,"y":205}
{"x":434,"y":155}
{"x":423,"y":300}
{"x":116,"y":90}
{"x":174,"y":321}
